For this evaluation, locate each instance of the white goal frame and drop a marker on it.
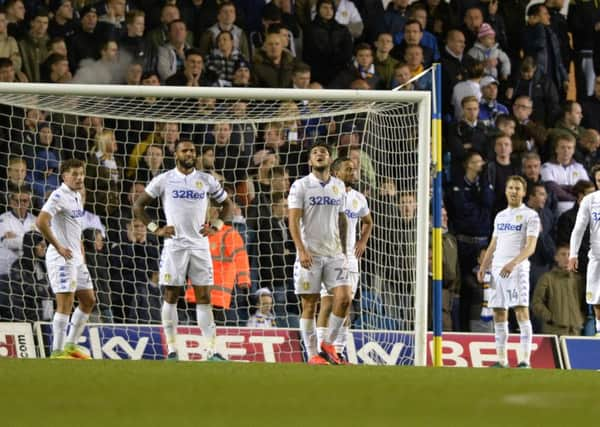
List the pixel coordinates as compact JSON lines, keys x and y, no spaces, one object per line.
{"x":422,"y":100}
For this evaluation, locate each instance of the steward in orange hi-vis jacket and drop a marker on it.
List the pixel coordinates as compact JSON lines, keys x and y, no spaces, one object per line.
{"x":230,"y":267}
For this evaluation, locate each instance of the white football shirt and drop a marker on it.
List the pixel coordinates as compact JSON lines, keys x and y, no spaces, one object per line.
{"x":67,"y":212}
{"x":588,"y":214}
{"x":563,"y":175}
{"x":185,"y":202}
{"x":512,"y":226}
{"x":321,"y":202}
{"x":356,"y":208}
{"x":11,"y":248}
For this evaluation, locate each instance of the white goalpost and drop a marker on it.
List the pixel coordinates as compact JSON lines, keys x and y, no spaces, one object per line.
{"x":256,"y":142}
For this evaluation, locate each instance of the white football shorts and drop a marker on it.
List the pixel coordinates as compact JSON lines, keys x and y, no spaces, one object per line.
{"x":353,"y":276}
{"x":511,"y":291}
{"x":329,"y":271}
{"x":67,"y":276}
{"x":592,"y":286}
{"x":178,"y":264}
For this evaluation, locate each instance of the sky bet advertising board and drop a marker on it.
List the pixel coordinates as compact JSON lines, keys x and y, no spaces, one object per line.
{"x":283,"y":345}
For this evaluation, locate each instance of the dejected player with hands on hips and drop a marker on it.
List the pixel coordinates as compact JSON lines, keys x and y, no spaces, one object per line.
{"x":184,"y":192}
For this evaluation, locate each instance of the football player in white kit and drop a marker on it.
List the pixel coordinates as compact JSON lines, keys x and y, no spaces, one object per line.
{"x":60,"y":224}
{"x":356,"y":209}
{"x":516,"y":230}
{"x":588,"y":215}
{"x":318,"y":227}
{"x":184,"y":192}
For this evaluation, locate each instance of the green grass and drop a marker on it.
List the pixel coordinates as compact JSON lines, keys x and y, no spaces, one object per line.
{"x":127,"y":393}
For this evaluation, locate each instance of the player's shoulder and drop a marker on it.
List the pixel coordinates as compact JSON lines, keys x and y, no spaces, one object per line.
{"x":337,"y":181}
{"x":58,"y":195}
{"x":163,"y":175}
{"x":526,"y":210}
{"x":593,"y":197}
{"x":531,"y":214}
{"x":337,"y":186}
{"x":301,"y":182}
{"x":503,"y":213}
{"x":357,"y":194}
{"x":204,"y":176}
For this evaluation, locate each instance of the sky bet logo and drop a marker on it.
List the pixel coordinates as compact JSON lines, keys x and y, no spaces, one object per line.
{"x":507,"y":226}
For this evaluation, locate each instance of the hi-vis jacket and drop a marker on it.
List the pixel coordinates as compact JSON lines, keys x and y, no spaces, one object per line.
{"x":230,"y":266}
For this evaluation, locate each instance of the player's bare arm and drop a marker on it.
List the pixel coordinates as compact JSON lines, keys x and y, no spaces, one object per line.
{"x":43,"y":224}
{"x":487,"y":260}
{"x":343,"y":227}
{"x":582,"y":222}
{"x":224,"y":215}
{"x":365,"y":233}
{"x":139,"y":211}
{"x":525,"y":253}
{"x":303,"y":255}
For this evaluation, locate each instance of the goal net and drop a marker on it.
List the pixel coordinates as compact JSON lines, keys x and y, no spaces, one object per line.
{"x":255,"y":141}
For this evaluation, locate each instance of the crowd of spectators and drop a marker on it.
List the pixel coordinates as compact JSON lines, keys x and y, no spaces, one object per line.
{"x":508,"y":108}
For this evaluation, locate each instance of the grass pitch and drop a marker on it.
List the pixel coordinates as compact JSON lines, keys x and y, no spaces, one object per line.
{"x":131,"y":393}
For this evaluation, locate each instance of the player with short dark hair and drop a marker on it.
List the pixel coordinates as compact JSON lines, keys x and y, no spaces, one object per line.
{"x":318,"y":227}
{"x":356,"y":209}
{"x":184,"y":193}
{"x":60,"y":224}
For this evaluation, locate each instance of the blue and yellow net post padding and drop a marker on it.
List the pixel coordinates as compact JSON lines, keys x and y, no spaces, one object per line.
{"x":436,"y":154}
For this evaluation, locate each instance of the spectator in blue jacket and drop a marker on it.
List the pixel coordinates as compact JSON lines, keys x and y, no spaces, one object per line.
{"x":543,"y":258}
{"x":469,"y":202}
{"x":468,"y":134}
{"x":541,"y":43}
{"x":489,"y":107}
{"x":395,"y":16}
{"x":418,"y":12}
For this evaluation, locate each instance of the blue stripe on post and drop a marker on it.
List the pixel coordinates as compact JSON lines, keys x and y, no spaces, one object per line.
{"x":437,"y":218}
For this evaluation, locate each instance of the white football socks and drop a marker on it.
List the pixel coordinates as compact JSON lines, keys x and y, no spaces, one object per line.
{"x":206,"y":322}
{"x":340,"y":341}
{"x":59,"y":330}
{"x":309,"y":336}
{"x":170,"y":319}
{"x":78,"y":321}
{"x":501,"y":335}
{"x":335,"y":324}
{"x":321,"y":332}
{"x":526,"y":339}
